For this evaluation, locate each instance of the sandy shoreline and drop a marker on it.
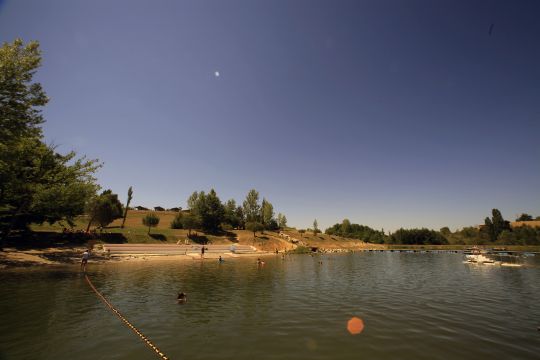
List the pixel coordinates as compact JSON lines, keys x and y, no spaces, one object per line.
{"x":61,"y":256}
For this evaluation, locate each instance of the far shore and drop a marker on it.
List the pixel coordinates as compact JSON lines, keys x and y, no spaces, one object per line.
{"x":12,"y":257}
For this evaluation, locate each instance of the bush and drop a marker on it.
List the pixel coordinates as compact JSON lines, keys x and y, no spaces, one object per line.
{"x":418,"y":237}
{"x":177,"y":222}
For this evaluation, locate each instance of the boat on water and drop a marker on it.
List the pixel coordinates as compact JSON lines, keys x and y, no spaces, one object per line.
{"x":476,"y":256}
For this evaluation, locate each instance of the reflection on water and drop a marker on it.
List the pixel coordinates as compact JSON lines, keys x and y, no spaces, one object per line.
{"x":412,"y":306}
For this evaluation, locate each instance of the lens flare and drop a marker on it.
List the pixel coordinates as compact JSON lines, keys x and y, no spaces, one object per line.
{"x":355,"y":325}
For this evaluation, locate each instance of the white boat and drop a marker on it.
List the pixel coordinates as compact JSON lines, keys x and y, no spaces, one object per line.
{"x":477,"y":257}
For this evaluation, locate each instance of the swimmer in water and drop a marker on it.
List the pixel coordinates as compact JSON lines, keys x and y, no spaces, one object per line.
{"x":221,"y":260}
{"x":259,"y":262}
{"x":182,"y":298}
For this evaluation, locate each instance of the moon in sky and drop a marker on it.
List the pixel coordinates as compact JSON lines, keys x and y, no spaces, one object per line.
{"x":216,"y":73}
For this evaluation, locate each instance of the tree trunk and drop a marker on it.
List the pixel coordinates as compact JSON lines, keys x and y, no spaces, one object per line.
{"x":124,"y":219}
{"x":148,"y":229}
{"x":90,"y":223}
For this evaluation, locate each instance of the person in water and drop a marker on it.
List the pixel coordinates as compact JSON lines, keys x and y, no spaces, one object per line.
{"x":259,"y":262}
{"x":202,"y":252}
{"x":182,"y":297}
{"x":84,"y":260}
{"x":220,"y":259}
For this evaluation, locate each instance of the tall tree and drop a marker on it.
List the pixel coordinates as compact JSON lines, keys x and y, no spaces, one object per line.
{"x":190,"y":221}
{"x":230,"y":217}
{"x":104,"y":209}
{"x":282,"y":221}
{"x":495,"y":225}
{"x":345,"y":227}
{"x":36,"y":183}
{"x":192,"y":200}
{"x":211,"y":212}
{"x":239,"y":213}
{"x":130,"y":196}
{"x":316,"y":227}
{"x":252,"y":209}
{"x":208,"y":209}
{"x":267,"y":213}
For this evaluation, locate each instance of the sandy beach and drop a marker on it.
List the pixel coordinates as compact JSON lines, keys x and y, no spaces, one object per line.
{"x":61,"y":256}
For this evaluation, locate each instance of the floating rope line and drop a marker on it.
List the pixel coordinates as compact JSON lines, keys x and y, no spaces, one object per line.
{"x":135,"y":330}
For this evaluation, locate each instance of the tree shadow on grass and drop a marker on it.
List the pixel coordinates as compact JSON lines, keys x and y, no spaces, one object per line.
{"x":231,"y":236}
{"x":198,"y":239}
{"x":113,"y":238}
{"x":159,"y":237}
{"x":45,"y":239}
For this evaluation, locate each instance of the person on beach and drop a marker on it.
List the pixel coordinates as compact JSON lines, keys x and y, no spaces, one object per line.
{"x":202,"y":252}
{"x":182,"y":297}
{"x":84,"y":261}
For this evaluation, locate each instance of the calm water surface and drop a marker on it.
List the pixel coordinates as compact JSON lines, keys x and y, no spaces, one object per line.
{"x":414,"y":306}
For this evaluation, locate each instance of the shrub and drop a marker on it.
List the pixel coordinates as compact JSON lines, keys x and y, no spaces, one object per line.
{"x":177,"y":222}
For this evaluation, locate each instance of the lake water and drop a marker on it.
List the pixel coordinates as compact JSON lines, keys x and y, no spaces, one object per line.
{"x":414,"y":306}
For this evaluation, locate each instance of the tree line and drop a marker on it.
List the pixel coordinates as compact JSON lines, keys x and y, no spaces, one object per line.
{"x":208,"y":213}
{"x":495,"y":230}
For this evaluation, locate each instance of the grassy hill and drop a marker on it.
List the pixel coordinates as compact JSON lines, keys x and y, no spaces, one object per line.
{"x":135,"y":232}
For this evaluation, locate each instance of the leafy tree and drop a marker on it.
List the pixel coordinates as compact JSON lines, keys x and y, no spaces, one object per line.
{"x":282,"y":221}
{"x":239,"y":213}
{"x":445,"y":230}
{"x":231,"y":216}
{"x":267,"y":213}
{"x":130,"y":196}
{"x":177,"y":221}
{"x":208,"y":208}
{"x":151,"y":220}
{"x":252,"y":209}
{"x":345,"y":226}
{"x":20,"y":98}
{"x":418,"y":237}
{"x":316,"y":227}
{"x":254,"y":227}
{"x":524,"y":217}
{"x":494,"y":226}
{"x":356,"y":231}
{"x":192,"y":200}
{"x":36,"y":183}
{"x":104,"y":209}
{"x":190,"y":221}
{"x":210,"y":211}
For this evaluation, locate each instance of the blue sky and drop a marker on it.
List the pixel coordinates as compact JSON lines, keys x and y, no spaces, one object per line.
{"x":389,"y":113}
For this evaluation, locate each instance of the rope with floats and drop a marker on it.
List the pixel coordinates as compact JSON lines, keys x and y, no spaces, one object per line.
{"x":126,"y":321}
